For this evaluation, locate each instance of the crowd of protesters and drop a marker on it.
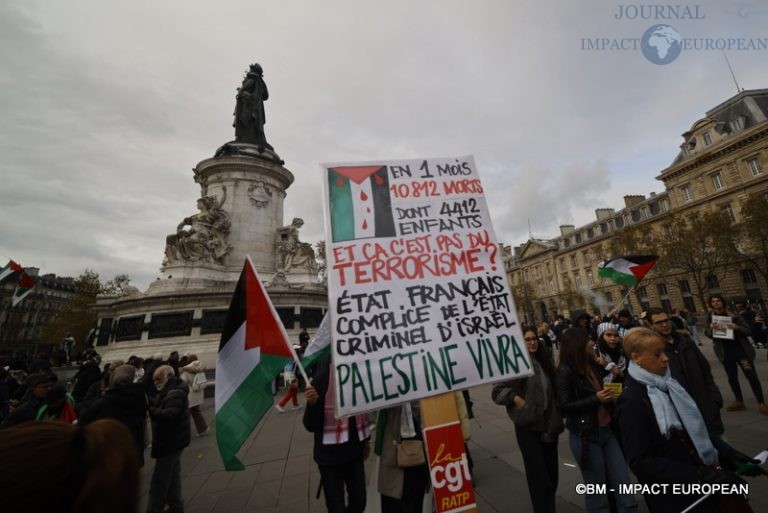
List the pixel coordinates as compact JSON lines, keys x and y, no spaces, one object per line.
{"x":119,"y":409}
{"x":635,"y":396}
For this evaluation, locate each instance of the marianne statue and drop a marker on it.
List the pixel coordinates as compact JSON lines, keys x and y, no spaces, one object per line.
{"x":249,"y":109}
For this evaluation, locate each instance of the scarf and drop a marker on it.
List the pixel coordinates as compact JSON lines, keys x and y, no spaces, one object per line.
{"x":336,"y":431}
{"x":675,"y":409}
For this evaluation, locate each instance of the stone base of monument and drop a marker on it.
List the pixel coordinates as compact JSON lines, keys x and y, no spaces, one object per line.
{"x":191,"y":320}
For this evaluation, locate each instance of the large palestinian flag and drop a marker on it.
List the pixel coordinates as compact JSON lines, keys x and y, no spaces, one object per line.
{"x":626,"y":270}
{"x":254,"y":349}
{"x":360,"y":204}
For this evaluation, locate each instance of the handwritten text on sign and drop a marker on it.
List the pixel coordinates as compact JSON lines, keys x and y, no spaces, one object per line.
{"x":419,"y":300}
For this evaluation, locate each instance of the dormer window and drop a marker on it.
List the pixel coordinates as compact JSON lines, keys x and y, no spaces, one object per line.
{"x":707,"y":139}
{"x":737,"y":124}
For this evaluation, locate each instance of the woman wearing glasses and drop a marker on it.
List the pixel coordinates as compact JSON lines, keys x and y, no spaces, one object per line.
{"x":532,"y":406}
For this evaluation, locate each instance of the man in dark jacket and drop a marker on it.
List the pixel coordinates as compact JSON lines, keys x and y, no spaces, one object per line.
{"x":88,"y":374}
{"x":170,"y":435}
{"x":691,"y":369}
{"x":125,"y":402}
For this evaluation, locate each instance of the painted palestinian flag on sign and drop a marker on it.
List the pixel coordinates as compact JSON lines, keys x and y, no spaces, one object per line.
{"x":254,"y":349}
{"x":23,"y":288}
{"x":360,"y":204}
{"x":9,"y":270}
{"x":626,"y":270}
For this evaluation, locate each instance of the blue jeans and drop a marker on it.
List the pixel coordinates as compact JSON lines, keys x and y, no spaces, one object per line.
{"x":605,"y":465}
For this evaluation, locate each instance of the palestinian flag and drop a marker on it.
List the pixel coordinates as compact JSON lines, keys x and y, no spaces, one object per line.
{"x":626,"y":270}
{"x":360,"y":204}
{"x":320,"y":346}
{"x":23,"y":288}
{"x":9,"y":270}
{"x":254,"y":349}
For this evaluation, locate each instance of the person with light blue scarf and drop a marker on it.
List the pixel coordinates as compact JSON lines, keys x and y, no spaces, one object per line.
{"x":665,"y":438}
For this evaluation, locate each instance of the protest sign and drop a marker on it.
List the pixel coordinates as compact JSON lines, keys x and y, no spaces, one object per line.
{"x":418,"y":295}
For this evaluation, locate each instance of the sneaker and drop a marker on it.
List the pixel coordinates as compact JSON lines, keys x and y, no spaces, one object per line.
{"x":207,"y":430}
{"x":298,"y":407}
{"x":763,"y":408}
{"x":280,"y":408}
{"x":736,"y":406}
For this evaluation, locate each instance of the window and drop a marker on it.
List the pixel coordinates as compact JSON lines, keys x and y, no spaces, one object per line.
{"x":573,"y":261}
{"x":551,"y":286}
{"x":707,"y":139}
{"x":685,"y":287}
{"x":661,"y":288}
{"x":737,"y":124}
{"x":685,"y":190}
{"x":549,"y":268}
{"x":590,"y":278}
{"x":585,"y":258}
{"x":685,"y":290}
{"x":577,"y":280}
{"x":717,"y":181}
{"x":644,"y":213}
{"x":748,"y":277}
{"x":754,"y":166}
{"x":686,"y":150}
{"x":664,"y":205}
{"x":713,"y":283}
{"x":728,"y":210}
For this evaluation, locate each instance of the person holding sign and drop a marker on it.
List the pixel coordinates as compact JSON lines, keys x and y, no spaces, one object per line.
{"x":532,"y":406}
{"x":666,"y":438}
{"x":730,"y":337}
{"x":588,"y":410}
{"x":341,"y":445}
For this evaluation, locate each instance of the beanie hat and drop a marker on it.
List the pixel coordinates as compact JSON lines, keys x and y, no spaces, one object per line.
{"x":605,"y":326}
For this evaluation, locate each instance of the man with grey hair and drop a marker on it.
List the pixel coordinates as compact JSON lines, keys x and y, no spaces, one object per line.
{"x":125,"y":402}
{"x":170,"y":435}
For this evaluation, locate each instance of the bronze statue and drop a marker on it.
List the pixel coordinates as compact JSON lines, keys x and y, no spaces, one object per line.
{"x":249,"y":109}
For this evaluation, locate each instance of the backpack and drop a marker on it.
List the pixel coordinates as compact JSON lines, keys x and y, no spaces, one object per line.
{"x":199,"y":382}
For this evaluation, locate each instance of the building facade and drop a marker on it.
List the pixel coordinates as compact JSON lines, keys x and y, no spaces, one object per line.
{"x":723,"y":160}
{"x":20,"y":325}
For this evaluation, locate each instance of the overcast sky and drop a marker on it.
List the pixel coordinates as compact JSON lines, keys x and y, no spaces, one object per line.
{"x":105,"y":108}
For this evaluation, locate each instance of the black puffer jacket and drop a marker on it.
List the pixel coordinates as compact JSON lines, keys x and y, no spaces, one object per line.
{"x":124,"y":403}
{"x":170,"y":419}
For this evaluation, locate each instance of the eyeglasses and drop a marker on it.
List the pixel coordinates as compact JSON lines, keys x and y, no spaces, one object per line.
{"x":531,"y":339}
{"x":661,"y":322}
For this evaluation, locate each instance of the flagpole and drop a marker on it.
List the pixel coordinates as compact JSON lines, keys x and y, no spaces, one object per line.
{"x":628,"y":293}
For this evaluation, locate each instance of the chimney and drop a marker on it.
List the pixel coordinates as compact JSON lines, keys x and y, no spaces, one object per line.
{"x":567,"y":229}
{"x":603,"y":214}
{"x":631,"y":200}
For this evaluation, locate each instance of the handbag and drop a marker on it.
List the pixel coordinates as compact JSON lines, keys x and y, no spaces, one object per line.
{"x":410,"y":453}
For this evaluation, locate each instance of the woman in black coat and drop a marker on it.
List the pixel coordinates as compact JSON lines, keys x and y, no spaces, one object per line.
{"x":587,"y":407}
{"x":665,"y":437}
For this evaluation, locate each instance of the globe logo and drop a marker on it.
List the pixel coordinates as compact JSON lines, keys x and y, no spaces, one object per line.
{"x":661,"y":44}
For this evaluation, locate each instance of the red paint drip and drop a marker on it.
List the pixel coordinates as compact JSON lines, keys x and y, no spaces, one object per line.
{"x":379,"y":180}
{"x":365,"y":224}
{"x":363,"y":196}
{"x":368,"y":210}
{"x":340,"y":182}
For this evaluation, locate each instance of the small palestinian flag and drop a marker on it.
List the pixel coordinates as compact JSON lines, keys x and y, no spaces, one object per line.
{"x":254,"y":349}
{"x":626,"y":270}
{"x":9,"y":270}
{"x":23,"y":289}
{"x":360,"y":204}
{"x":320,"y":346}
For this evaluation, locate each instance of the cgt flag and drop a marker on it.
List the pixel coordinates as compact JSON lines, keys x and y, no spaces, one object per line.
{"x":254,"y":349}
{"x":626,"y":270}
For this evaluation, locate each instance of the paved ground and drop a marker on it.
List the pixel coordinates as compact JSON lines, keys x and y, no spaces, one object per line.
{"x":280,"y":475}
